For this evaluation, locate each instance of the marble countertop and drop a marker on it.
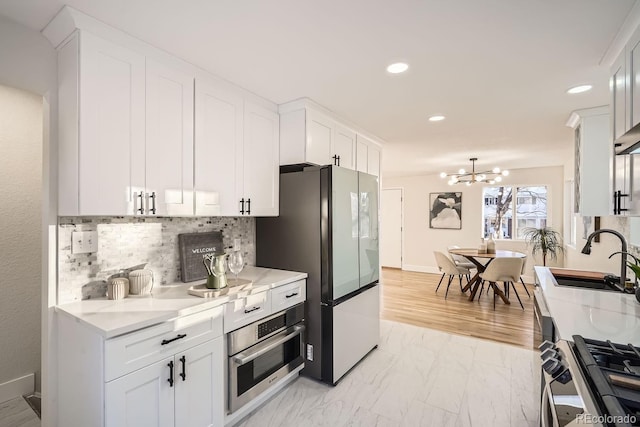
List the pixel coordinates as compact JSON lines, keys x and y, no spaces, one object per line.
{"x":593,"y":314}
{"x":111,"y":318}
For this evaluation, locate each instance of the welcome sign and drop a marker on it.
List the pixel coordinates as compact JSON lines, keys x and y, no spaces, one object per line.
{"x":193,"y":247}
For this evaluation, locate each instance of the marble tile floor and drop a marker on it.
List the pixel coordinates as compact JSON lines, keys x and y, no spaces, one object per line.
{"x":17,"y":413}
{"x":417,"y":377}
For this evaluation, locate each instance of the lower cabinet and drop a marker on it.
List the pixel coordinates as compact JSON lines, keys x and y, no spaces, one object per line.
{"x":177,"y":391}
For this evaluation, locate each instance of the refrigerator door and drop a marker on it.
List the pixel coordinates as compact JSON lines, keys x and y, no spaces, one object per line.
{"x":344,"y":232}
{"x":356,"y":330}
{"x":368,"y":225}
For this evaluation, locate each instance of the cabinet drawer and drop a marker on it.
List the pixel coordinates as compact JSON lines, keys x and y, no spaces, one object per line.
{"x":245,"y":310}
{"x":141,"y":348}
{"x":288,"y":295}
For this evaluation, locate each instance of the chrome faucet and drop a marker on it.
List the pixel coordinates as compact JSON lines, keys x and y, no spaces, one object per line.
{"x":623,"y":263}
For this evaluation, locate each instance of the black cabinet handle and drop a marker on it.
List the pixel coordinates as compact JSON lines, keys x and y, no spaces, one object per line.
{"x":248,"y":206}
{"x":335,"y":159}
{"x":253,"y":309}
{"x":179,"y":337}
{"x":183,"y":360}
{"x":615,"y":203}
{"x":338,"y":160}
{"x":242,"y":206}
{"x":170,"y":365}
{"x":141,"y":208}
{"x":291,"y":295}
{"x":618,"y":202}
{"x":153,"y":202}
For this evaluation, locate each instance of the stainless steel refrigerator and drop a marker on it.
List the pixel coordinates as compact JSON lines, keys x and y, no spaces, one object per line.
{"x":328,"y":228}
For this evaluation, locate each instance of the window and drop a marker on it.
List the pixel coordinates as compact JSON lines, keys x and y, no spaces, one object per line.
{"x":506,"y":216}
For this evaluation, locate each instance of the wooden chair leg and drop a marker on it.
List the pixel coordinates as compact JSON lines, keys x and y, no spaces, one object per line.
{"x":448,"y":284}
{"x":525,"y":287}
{"x":518,"y":296}
{"x":443,"y":274}
{"x":481,"y":289}
{"x":460,"y":279}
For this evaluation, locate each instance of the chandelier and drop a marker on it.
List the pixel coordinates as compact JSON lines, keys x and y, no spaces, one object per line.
{"x":464,"y":177}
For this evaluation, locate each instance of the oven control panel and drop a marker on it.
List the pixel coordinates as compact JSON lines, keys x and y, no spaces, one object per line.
{"x":271,"y":326}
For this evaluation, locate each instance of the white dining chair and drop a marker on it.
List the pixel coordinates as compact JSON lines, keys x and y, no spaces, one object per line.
{"x":447,"y":266}
{"x":506,"y":270}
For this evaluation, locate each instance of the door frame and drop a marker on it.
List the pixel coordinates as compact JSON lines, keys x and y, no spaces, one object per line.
{"x":402,"y":251}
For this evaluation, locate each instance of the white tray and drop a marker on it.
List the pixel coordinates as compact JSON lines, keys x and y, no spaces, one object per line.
{"x":233,"y":286}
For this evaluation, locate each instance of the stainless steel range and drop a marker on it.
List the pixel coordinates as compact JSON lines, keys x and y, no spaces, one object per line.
{"x":589,"y":382}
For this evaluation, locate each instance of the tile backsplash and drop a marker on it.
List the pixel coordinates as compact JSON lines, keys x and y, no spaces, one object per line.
{"x":129,"y":243}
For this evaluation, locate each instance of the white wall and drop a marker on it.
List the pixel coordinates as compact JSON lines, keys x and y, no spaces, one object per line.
{"x":420,"y":241}
{"x":21,"y":231}
{"x":28,"y":62}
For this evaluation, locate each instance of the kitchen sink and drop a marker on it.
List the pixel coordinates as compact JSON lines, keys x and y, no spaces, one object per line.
{"x":586,"y":283}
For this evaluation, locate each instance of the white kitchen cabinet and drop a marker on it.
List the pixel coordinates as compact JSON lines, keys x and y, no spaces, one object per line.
{"x":179,"y":391}
{"x":310,"y":136}
{"x":169,"y":140}
{"x":236,"y":153}
{"x":261,"y":169}
{"x":218,"y":149}
{"x":367,"y":156}
{"x":126,"y":132}
{"x":618,"y":84}
{"x":142,"y":398}
{"x":593,"y":160}
{"x":102,"y":127}
{"x":633,"y":79}
{"x":125,"y":380}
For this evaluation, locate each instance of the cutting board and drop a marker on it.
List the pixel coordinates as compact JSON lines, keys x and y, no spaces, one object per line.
{"x":577,"y":274}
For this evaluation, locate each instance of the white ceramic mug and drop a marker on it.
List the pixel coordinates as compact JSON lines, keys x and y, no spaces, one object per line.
{"x":140,"y":282}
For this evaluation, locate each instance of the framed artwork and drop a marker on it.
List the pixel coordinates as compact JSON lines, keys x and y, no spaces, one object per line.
{"x":445,"y":210}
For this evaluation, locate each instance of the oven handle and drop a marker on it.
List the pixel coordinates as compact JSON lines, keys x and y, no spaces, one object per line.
{"x":243,"y":358}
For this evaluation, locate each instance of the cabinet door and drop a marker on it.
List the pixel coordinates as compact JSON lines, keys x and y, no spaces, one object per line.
{"x":362,"y":161}
{"x":373,"y":161}
{"x":619,"y":101}
{"x":199,"y":386}
{"x":261,"y":161}
{"x":319,"y":139}
{"x":218,"y":150}
{"x":169,"y":145}
{"x":344,"y":146}
{"x":143,"y":398}
{"x":633,"y":73}
{"x":112,"y":131}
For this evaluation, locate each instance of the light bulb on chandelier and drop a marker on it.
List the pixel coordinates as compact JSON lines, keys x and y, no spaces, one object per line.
{"x":488,"y":177}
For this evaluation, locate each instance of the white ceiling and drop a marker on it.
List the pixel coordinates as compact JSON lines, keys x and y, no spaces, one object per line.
{"x":498,"y":69}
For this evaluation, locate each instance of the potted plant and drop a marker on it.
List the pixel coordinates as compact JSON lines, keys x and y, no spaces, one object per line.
{"x":544,"y":240}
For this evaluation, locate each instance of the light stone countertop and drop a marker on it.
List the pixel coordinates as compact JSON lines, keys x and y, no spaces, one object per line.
{"x":111,"y":318}
{"x":593,"y":314}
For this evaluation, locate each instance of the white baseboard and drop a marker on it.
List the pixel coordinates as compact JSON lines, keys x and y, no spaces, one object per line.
{"x":17,"y":387}
{"x":421,"y":268}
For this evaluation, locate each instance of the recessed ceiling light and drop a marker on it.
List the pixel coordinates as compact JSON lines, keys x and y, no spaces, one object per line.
{"x":579,"y":89}
{"x":436,"y":118}
{"x":397,"y":67}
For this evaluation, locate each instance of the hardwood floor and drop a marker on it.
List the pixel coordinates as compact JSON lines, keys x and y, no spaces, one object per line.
{"x":410,"y":297}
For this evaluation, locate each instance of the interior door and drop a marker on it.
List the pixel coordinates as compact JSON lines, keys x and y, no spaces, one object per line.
{"x":344,"y":223}
{"x":169,"y":146}
{"x":369,"y":240}
{"x":391,"y":228}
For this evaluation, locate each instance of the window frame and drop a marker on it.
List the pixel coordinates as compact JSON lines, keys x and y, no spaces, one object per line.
{"x":514,"y":213}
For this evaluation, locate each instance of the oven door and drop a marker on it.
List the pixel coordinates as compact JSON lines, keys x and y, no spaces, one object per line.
{"x":259,"y":367}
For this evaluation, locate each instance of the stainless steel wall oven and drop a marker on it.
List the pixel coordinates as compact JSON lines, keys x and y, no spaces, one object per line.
{"x":262,"y":353}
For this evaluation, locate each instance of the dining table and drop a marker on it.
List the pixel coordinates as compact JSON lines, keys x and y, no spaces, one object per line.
{"x":482,"y":260}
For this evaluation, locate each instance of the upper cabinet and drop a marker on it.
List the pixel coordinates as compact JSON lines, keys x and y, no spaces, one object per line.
{"x":140,"y":134}
{"x":236,"y":153}
{"x":310,"y":134}
{"x":618,"y":86}
{"x":368,"y":156}
{"x":593,"y":159}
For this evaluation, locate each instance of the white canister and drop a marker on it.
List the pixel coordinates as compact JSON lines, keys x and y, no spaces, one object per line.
{"x":118,"y":288}
{"x":140,"y":282}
